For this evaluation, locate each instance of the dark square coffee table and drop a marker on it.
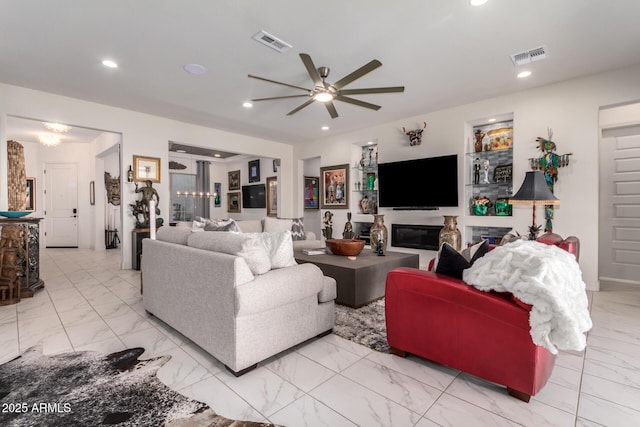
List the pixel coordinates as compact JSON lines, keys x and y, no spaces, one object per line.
{"x":362,"y":280}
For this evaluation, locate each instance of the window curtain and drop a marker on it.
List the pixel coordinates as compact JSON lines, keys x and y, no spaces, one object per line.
{"x":203,"y":185}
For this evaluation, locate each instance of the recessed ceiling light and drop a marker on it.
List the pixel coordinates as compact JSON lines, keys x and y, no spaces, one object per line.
{"x":109,"y":63}
{"x":181,"y":151}
{"x":491,"y":120}
{"x":194,"y":69}
{"x":524,"y":74}
{"x":325,"y":128}
{"x":217,"y":155}
{"x":477,"y":2}
{"x":247,"y":104}
{"x":370,"y":143}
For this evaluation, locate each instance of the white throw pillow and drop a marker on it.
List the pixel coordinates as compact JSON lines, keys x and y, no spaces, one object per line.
{"x":274,"y":225}
{"x":246,"y":246}
{"x":279,"y":246}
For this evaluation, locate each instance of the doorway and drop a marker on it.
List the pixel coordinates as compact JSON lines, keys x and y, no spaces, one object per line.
{"x":619,"y":235}
{"x":61,"y":205}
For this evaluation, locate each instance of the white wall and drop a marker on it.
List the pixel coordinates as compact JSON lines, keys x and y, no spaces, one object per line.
{"x":570,"y":108}
{"x":142,"y":134}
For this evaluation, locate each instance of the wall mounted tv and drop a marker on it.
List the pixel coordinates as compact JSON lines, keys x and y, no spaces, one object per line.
{"x":426,"y":183}
{"x":254,"y":196}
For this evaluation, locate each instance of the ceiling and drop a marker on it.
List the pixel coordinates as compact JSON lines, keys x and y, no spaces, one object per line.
{"x":445,"y":53}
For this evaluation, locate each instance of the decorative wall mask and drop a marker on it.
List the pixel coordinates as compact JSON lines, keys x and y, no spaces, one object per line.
{"x":112,"y":186}
{"x":415,"y":136}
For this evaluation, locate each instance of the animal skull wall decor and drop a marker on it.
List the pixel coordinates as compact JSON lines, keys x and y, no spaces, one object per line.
{"x":415,"y":136}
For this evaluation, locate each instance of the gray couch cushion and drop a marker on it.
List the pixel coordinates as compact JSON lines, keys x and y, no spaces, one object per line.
{"x":246,"y":246}
{"x":177,"y":235}
{"x":250,"y":226}
{"x":272,"y":225}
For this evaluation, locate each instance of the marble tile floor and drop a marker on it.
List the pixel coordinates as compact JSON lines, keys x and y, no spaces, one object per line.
{"x":90,"y":304}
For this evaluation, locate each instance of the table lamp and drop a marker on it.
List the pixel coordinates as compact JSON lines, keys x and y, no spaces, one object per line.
{"x":534,"y":191}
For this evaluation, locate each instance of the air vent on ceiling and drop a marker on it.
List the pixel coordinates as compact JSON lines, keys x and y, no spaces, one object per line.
{"x":529,"y":55}
{"x":272,"y":41}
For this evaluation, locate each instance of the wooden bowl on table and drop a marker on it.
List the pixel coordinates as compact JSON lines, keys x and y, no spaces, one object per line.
{"x":345,"y":247}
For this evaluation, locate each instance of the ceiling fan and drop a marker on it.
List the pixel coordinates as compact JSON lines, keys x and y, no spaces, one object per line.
{"x":326,"y":93}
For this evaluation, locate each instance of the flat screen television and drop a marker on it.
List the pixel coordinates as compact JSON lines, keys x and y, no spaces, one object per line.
{"x":254,"y":196}
{"x":431,"y":182}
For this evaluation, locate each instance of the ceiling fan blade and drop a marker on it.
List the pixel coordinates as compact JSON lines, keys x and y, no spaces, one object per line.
{"x":367,"y":68}
{"x":311,"y":69}
{"x":331,"y":109}
{"x":357,"y":102}
{"x":280,"y":97}
{"x":295,"y":110}
{"x":365,"y":91}
{"x":278,"y":83}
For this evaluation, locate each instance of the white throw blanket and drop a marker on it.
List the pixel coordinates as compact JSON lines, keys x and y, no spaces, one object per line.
{"x":546,"y":277}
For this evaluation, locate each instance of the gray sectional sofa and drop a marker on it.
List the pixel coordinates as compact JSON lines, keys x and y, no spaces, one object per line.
{"x":216,"y":289}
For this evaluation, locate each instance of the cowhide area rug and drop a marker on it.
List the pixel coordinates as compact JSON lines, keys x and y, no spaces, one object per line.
{"x":365,"y":325}
{"x":89,"y":389}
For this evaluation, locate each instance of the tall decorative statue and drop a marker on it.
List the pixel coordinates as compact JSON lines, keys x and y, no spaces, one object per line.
{"x":549,"y":164}
{"x":141,"y":207}
{"x":327,"y":221}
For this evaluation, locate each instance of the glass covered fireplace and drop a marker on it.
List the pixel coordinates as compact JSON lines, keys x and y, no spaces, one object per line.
{"x":415,"y":236}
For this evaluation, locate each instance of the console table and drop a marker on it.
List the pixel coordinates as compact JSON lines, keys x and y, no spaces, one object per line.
{"x":362,"y":280}
{"x":136,"y":251}
{"x":28,"y":253}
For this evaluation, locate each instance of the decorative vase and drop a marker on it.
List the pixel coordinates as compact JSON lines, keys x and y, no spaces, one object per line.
{"x":450,"y":233}
{"x":378,"y":233}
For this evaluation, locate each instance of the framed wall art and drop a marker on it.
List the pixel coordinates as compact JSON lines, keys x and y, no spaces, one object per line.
{"x":334,"y":187}
{"x":146,"y":169}
{"x":234,"y":180}
{"x":30,"y":204}
{"x":233,"y":202}
{"x":254,"y":171}
{"x":311,"y":185}
{"x":272,"y":196}
{"x":217,"y":194}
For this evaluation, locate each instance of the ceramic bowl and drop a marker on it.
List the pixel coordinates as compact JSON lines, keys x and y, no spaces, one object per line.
{"x":14,"y":214}
{"x":345,"y":247}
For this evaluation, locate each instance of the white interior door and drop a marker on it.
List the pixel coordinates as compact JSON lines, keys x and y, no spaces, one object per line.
{"x":61,"y":200}
{"x":619,"y":252}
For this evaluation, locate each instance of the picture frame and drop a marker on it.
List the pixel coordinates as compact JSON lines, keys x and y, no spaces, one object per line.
{"x":146,"y":168}
{"x":92,"y":193}
{"x":311,"y":192}
{"x":234,"y":202}
{"x":254,"y":171}
{"x":272,"y":196}
{"x":234,"y":180}
{"x":30,"y":204}
{"x":334,"y":187}
{"x":217,"y":194}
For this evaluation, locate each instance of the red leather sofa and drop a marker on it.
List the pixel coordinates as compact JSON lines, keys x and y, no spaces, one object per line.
{"x":485,"y":334}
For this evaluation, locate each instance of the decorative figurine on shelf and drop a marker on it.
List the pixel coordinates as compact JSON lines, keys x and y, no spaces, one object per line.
{"x":348,"y":228}
{"x":476,"y":171}
{"x":379,"y":248}
{"x":485,"y":168}
{"x":549,"y":164}
{"x":479,"y":135}
{"x":364,"y":205}
{"x":480,"y":205}
{"x":327,"y":221}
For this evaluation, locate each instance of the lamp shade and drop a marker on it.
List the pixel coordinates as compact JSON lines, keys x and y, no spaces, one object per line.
{"x":534,"y":191}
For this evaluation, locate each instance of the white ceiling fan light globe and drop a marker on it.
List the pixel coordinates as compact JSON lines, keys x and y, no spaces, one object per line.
{"x":323,"y":97}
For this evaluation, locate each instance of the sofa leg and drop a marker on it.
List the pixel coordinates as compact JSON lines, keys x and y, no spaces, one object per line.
{"x":324,"y":334}
{"x":519,"y":394}
{"x":398,"y":352}
{"x":241,"y":372}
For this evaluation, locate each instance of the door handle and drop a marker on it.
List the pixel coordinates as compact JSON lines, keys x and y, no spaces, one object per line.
{"x":75,"y":213}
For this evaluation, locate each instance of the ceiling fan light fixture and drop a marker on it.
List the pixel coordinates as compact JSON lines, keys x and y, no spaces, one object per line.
{"x":323,"y":96}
